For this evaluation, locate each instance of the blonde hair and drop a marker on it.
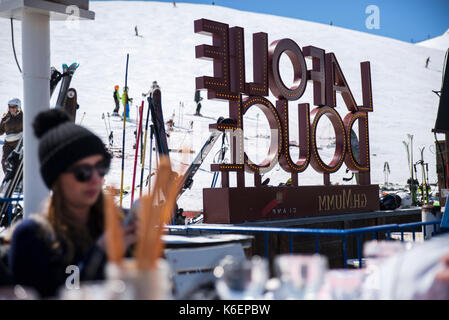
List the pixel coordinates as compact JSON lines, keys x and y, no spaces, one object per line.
{"x":75,"y":235}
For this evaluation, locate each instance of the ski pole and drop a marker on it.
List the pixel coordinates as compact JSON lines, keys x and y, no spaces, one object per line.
{"x":105,"y":124}
{"x":179,"y":115}
{"x":82,"y":118}
{"x":136,"y":154}
{"x":124,"y":128}
{"x":182,"y":114}
{"x":111,"y":134}
{"x":151,"y":156}
{"x":221,"y":157}
{"x":144,"y":149}
{"x":109,"y":122}
{"x":141,"y":133}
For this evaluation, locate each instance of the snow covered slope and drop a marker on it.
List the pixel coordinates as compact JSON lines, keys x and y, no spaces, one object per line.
{"x":402,"y":86}
{"x":440,"y":42}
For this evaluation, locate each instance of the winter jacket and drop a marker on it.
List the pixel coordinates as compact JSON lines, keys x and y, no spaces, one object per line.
{"x":125,"y":98}
{"x":116,"y":96}
{"x":197,"y":96}
{"x":12,"y":126}
{"x":36,"y":258}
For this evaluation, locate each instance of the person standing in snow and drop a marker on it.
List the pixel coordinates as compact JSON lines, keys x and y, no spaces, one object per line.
{"x":427,"y":62}
{"x":198,"y":99}
{"x":12,"y":126}
{"x":126,"y":100}
{"x":70,"y":231}
{"x":154,"y":86}
{"x":117,"y":98}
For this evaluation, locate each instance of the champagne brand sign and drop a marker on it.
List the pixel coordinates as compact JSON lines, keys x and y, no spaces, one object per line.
{"x":326,"y":78}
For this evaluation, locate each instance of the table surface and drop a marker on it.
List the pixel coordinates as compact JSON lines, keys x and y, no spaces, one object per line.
{"x":181,"y":241}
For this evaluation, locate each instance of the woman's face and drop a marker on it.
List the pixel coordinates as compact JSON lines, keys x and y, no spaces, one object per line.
{"x":78,"y":194}
{"x":13,"y":109}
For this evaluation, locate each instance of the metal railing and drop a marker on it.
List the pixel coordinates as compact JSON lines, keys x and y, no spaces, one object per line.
{"x":317,"y":233}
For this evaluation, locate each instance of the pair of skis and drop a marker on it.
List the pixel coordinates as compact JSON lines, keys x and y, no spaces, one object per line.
{"x":137,"y":153}
{"x":109,"y":131}
{"x":424,"y":187}
{"x":156,"y":92}
{"x":412,"y":182}
{"x":157,"y":130}
{"x":124,"y":130}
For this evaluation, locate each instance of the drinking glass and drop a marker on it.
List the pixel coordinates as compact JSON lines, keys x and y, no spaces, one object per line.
{"x":345,"y":284}
{"x":238,"y":279}
{"x":301,"y":276}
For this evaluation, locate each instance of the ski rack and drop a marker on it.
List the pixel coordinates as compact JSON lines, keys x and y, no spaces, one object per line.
{"x":12,"y":179}
{"x":160,"y":136}
{"x":67,"y":99}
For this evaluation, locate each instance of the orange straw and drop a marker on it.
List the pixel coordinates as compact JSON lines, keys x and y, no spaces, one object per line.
{"x":115,"y":247}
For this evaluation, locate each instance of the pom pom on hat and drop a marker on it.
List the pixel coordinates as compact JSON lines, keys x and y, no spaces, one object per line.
{"x":48,"y":120}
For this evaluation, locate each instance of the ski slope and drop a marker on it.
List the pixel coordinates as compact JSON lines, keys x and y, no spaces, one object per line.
{"x":440,"y":42}
{"x":402,"y":87}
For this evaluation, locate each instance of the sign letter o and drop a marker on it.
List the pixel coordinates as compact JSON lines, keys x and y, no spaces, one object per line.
{"x":277,"y":86}
{"x":340,"y":142}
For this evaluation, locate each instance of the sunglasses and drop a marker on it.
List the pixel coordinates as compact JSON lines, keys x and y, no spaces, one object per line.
{"x":84,"y":172}
{"x":12,"y":106}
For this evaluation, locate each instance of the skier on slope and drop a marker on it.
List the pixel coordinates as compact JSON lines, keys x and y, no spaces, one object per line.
{"x":198,"y":99}
{"x":126,"y":100}
{"x":117,"y":98}
{"x":11,"y":125}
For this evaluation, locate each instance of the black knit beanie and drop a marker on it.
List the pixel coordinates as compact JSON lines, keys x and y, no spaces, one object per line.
{"x":62,"y":143}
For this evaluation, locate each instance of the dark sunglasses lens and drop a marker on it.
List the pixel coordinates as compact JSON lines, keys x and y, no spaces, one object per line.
{"x":83,"y":173}
{"x":102,"y":169}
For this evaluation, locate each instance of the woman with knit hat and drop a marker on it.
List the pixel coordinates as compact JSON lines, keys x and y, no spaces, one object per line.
{"x":73,"y":162}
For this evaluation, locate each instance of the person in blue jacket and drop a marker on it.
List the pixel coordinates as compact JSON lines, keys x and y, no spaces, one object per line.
{"x":69,"y":233}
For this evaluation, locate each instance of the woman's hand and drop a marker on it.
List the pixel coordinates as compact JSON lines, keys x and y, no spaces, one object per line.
{"x":129,"y":237}
{"x":101,"y":242}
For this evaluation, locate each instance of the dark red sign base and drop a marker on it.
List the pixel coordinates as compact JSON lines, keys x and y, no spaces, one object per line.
{"x":237,"y":205}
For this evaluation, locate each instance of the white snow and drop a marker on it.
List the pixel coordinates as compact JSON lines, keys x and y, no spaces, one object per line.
{"x":402,"y":87}
{"x":440,"y":42}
